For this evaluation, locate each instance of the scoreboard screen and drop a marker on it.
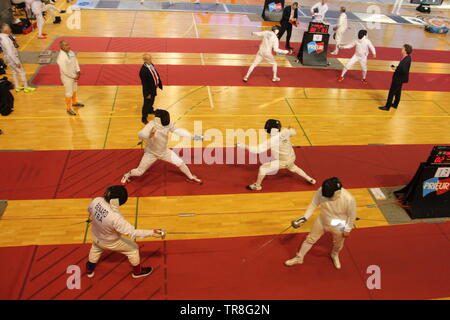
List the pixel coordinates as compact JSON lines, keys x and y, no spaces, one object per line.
{"x":440,"y":155}
{"x":316,"y":27}
{"x":427,"y":2}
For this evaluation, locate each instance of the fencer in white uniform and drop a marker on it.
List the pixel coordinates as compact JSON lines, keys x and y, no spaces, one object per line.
{"x":9,"y":47}
{"x":282,"y":152}
{"x":337,"y":215}
{"x":363,"y":45}
{"x":270,"y":42}
{"x":37,"y":7}
{"x":340,"y":29}
{"x":70,"y":73}
{"x":321,"y":8}
{"x":156,"y":133}
{"x":108,"y":226}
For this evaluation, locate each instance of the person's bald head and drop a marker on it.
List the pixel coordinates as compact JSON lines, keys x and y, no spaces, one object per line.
{"x":147,"y":57}
{"x":64,"y":45}
{"x":5,"y":28}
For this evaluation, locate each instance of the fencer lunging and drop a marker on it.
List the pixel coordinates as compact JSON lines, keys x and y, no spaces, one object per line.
{"x":270,"y":42}
{"x":9,"y":47}
{"x":108,"y":226}
{"x":337,"y":215}
{"x":156,"y":132}
{"x":363,"y":45}
{"x":282,"y":150}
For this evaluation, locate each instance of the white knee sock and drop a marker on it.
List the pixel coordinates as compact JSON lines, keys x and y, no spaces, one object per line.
{"x":260,"y":179}
{"x":274,"y":69}
{"x":364,"y":74}
{"x":16,"y":82}
{"x":300,"y":172}
{"x":23,"y":77}
{"x":184,"y":168}
{"x":304,"y":249}
{"x":250,"y":70}
{"x":344,"y":71}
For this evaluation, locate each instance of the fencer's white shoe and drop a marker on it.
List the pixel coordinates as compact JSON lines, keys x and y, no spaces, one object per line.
{"x":254,"y":187}
{"x":245,"y":79}
{"x":340,"y":79}
{"x":195,"y":180}
{"x":312,"y":181}
{"x":276,"y":79}
{"x":336,"y":261}
{"x":125,"y":179}
{"x":334,"y":53}
{"x":292,"y":262}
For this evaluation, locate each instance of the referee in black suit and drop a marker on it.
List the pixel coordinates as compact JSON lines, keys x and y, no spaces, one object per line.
{"x":289,"y":13}
{"x":150,"y":82}
{"x":401,"y":76}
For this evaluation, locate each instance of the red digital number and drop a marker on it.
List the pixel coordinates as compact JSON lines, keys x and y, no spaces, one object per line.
{"x":439,"y":159}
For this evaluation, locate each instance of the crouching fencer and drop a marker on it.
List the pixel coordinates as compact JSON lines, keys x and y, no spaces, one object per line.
{"x":282,"y":150}
{"x":270,"y":42}
{"x":337,"y":215}
{"x":156,"y":133}
{"x":108,"y":225}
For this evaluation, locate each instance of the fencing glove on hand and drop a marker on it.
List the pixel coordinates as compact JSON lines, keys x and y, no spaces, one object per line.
{"x":159,"y":233}
{"x":298,"y":223}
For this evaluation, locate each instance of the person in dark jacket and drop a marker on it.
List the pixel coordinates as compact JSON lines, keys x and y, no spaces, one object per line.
{"x":401,"y":76}
{"x":150,"y":82}
{"x":289,"y":18}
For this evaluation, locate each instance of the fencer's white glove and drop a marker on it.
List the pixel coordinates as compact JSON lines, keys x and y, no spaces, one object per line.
{"x":298,"y":223}
{"x":197,"y":137}
{"x":159,"y":233}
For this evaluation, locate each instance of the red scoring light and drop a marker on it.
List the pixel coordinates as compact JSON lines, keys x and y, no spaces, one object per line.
{"x":439,"y":159}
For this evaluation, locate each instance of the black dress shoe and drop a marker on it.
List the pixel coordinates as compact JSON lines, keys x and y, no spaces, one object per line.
{"x":384,"y":108}
{"x":395,"y":107}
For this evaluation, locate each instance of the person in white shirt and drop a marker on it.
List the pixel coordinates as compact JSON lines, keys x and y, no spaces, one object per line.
{"x":37,"y":7}
{"x":337,"y":215}
{"x":9,"y":47}
{"x":270,"y":42}
{"x":319,"y":10}
{"x":156,"y":133}
{"x":108,"y":226}
{"x":397,"y":7}
{"x":70,"y":73}
{"x":340,"y":30}
{"x":282,"y":151}
{"x":363,"y":45}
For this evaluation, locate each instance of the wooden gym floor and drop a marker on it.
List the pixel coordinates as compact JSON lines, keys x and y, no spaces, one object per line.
{"x":111,"y":120}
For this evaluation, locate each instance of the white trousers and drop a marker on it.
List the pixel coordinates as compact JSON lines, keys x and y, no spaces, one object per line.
{"x":260,"y":56}
{"x":40,"y":22}
{"x":17,"y":71}
{"x":70,"y":86}
{"x":124,"y":246}
{"x":149,"y":159}
{"x":362,"y":61}
{"x":397,"y":7}
{"x":339,"y":37}
{"x":51,"y":10}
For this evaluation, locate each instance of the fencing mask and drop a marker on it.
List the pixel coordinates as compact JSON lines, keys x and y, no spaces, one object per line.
{"x":276,"y":29}
{"x":116,"y":192}
{"x":362,"y":34}
{"x":330,"y":186}
{"x":271,"y":124}
{"x":164,"y":116}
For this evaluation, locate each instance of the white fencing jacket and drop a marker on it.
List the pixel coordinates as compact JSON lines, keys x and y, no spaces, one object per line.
{"x":269,"y":42}
{"x":279,"y":143}
{"x":158,"y":143}
{"x":362,"y":47}
{"x":339,"y":213}
{"x":68,"y":64}
{"x":108,"y":224}
{"x":9,"y":50}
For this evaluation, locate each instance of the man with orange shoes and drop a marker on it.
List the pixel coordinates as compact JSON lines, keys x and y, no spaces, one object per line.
{"x":70,"y":73}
